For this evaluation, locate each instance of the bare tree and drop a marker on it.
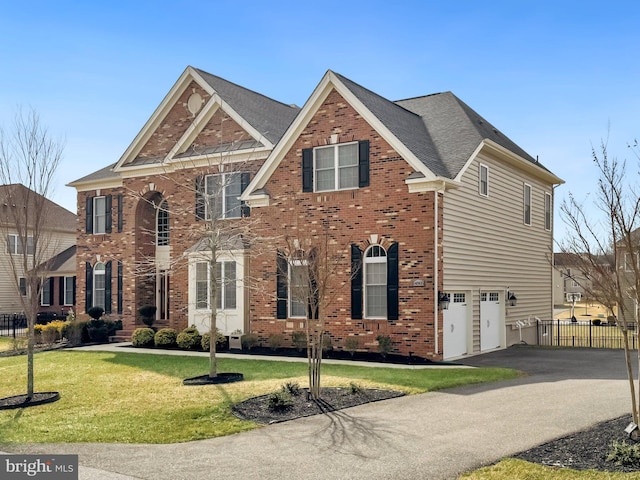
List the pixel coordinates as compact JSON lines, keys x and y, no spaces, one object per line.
{"x":316,"y":267}
{"x":607,"y":252}
{"x":29,"y":158}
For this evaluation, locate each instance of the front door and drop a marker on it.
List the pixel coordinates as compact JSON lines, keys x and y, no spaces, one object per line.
{"x":455,"y":326}
{"x":489,"y":320}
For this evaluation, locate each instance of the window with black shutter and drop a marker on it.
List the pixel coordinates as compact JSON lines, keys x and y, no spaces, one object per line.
{"x":341,"y":166}
{"x":282,"y":279}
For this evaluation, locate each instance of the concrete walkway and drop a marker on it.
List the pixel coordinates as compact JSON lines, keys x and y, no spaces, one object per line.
{"x":430,"y":436}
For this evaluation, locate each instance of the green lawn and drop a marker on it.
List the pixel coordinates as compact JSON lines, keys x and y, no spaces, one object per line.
{"x":139,"y":398}
{"x":7,"y":343}
{"x":511,"y":469}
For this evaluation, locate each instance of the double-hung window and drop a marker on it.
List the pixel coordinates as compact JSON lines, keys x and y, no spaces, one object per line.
{"x":375,"y":282}
{"x":99,"y":215}
{"x":68,"y":290}
{"x":15,"y":247}
{"x":222,"y":193}
{"x":336,"y":167}
{"x":99,"y":285}
{"x":298,"y":288}
{"x":483,"y":180}
{"x":527,"y":204}
{"x":225,"y":275}
{"x":547,"y":211}
{"x":45,"y":293}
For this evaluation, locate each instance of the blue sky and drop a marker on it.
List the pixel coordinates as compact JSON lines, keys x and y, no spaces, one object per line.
{"x":556,"y":77}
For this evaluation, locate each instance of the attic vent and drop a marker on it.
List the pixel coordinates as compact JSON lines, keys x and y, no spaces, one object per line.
{"x":194,"y":103}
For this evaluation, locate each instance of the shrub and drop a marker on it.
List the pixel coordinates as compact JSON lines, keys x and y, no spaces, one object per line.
{"x":622,"y":453}
{"x":142,"y":337}
{"x":275,"y":341}
{"x":95,"y":312}
{"x":148,"y":314}
{"x":299,"y":340}
{"x":52,"y":331}
{"x":292,"y":388}
{"x":352,"y":344}
{"x":327,"y":344}
{"x":596,"y":321}
{"x":99,"y":330}
{"x":355,"y":389}
{"x":385,"y":345}
{"x":37,"y":333}
{"x":189,"y":339}
{"x":206,"y":340}
{"x":165,"y":338}
{"x":75,"y":332}
{"x":611,"y":320}
{"x":249,"y":341}
{"x":280,"y":400}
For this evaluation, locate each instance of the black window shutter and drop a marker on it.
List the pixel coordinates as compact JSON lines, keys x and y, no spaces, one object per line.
{"x":199,"y":198}
{"x":73,"y":300}
{"x":88,"y":290}
{"x":282,"y":280}
{"x":89,"y":215}
{"x":307,"y":170}
{"x":356,"y":282}
{"x":119,"y":304}
{"x":107,"y":287}
{"x":50,"y":300}
{"x":244,"y":183}
{"x":120,"y":208}
{"x":61,"y":290}
{"x":363,"y":163}
{"x":108,"y":202}
{"x":392,"y":281}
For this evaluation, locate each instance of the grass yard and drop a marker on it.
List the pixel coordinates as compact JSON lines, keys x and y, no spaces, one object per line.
{"x":8,"y":343}
{"x":139,"y":398}
{"x":511,"y":469}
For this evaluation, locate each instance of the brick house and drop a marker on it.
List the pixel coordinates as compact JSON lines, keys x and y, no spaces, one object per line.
{"x":428,"y":205}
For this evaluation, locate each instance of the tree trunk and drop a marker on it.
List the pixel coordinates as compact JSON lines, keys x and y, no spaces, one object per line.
{"x":30,"y":344}
{"x":627,"y":358}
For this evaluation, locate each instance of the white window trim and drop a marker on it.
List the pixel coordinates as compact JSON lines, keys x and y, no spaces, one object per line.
{"x":548,"y":212}
{"x":68,"y":279}
{"x":291,"y":300}
{"x":482,"y":167}
{"x":97,"y":272}
{"x":97,"y":214}
{"x":17,"y":244}
{"x":46,"y":285}
{"x":163,"y":207}
{"x":524,"y":204}
{"x":336,"y":167}
{"x":364,"y":280}
{"x":222,"y":194}
{"x":200,"y":257}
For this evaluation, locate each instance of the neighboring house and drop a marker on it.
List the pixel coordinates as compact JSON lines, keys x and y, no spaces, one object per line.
{"x":428,"y":202}
{"x":567,"y":278}
{"x":60,"y":235}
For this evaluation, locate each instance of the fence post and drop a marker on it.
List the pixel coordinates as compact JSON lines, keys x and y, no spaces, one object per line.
{"x":558,"y":341}
{"x":590,"y":332}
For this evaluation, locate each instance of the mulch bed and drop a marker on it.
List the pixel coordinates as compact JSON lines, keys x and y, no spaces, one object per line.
{"x":22,"y":401}
{"x":257,"y":409}
{"x":583,"y":450}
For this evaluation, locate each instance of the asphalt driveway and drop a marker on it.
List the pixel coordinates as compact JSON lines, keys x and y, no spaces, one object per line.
{"x":430,"y":436}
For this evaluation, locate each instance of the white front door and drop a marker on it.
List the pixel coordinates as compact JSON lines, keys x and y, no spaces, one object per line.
{"x":455,"y":326}
{"x":490,"y":312}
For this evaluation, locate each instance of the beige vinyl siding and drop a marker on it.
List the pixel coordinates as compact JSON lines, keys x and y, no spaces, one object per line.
{"x":9,"y":299}
{"x":487,"y":246}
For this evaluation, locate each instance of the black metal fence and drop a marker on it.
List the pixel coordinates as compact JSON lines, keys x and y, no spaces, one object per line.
{"x":13,"y":325}
{"x":587,"y":334}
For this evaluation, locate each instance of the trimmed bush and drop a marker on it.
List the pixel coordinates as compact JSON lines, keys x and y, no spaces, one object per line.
{"x":206,"y":340}
{"x":352,"y":344}
{"x":275,"y":341}
{"x":249,"y":341}
{"x":165,"y":338}
{"x":148,"y":314}
{"x":385,"y":345}
{"x":280,"y":400}
{"x":142,"y":337}
{"x":75,"y":332}
{"x":95,"y":312}
{"x":299,"y":340}
{"x":100,"y":330}
{"x":52,"y":331}
{"x":189,"y":339}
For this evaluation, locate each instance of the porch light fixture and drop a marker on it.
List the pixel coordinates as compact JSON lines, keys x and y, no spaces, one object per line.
{"x":512,"y":301}
{"x":443,"y":300}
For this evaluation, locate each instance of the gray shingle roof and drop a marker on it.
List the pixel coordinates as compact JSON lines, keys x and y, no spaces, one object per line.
{"x":17,"y":195}
{"x":105,"y":173}
{"x":440,"y":130}
{"x":269,"y":117}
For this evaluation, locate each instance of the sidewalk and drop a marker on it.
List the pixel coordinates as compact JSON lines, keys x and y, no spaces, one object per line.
{"x":430,"y":436}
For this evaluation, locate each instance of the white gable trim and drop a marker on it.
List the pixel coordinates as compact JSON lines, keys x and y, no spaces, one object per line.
{"x":506,"y":155}
{"x":328,"y":83}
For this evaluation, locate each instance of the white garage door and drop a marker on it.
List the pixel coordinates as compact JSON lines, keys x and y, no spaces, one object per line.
{"x":455,"y":326}
{"x":490,"y":322}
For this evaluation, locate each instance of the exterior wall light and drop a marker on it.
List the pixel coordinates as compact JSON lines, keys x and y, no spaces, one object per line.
{"x":512,"y":301}
{"x":443,"y":300}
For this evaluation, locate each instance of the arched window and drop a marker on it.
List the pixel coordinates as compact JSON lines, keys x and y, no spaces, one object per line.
{"x":99,"y":284}
{"x":375,"y":282}
{"x":162,"y":224}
